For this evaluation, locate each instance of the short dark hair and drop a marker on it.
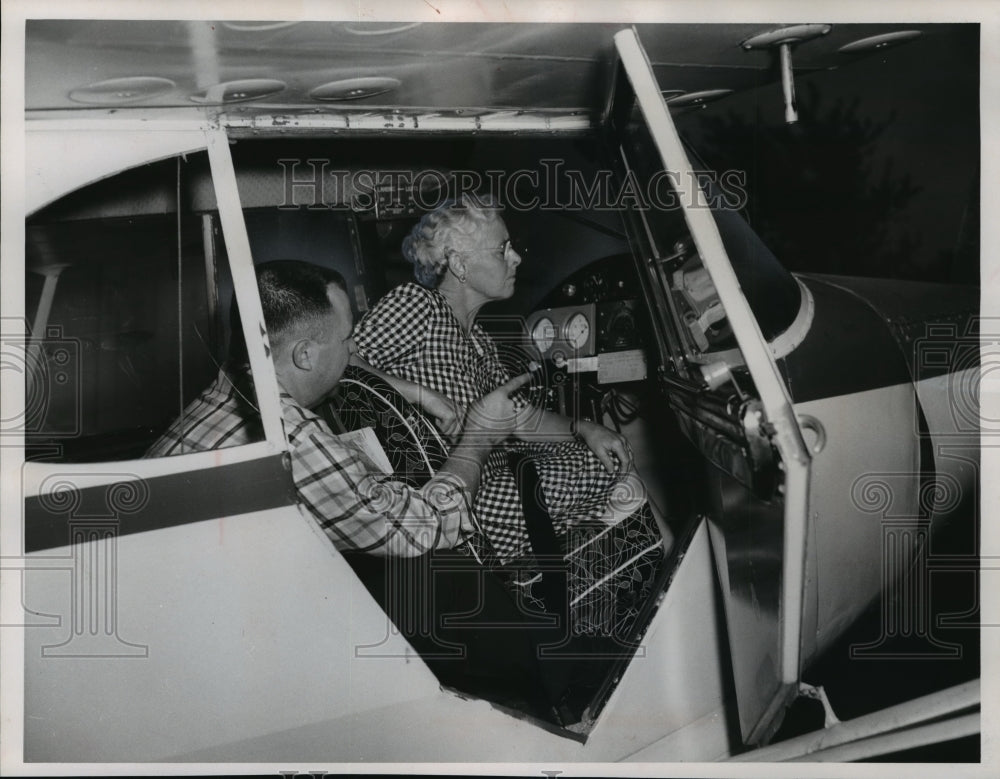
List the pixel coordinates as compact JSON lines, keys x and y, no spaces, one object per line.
{"x":293,"y":298}
{"x":293,"y":292}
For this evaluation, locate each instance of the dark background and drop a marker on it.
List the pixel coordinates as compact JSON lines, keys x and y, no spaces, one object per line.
{"x":880,"y":176}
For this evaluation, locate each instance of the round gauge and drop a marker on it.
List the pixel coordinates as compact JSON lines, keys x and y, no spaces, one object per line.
{"x":543,"y":334}
{"x":577,"y":330}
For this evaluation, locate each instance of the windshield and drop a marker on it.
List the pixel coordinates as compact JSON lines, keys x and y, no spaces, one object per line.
{"x":771,"y":291}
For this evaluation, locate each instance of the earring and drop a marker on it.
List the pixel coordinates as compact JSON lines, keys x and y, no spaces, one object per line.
{"x":462,"y":278}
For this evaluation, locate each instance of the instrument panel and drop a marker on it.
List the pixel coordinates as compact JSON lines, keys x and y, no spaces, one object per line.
{"x":543,"y":334}
{"x":560,"y":334}
{"x":593,"y":324}
{"x":576,"y":331}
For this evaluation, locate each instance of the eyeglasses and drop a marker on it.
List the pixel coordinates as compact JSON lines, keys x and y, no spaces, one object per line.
{"x":503,"y":248}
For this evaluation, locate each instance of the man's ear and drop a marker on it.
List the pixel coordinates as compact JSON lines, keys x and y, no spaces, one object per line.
{"x":303,"y":356}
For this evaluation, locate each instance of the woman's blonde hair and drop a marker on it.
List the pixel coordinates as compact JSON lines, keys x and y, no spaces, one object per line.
{"x":435,"y":234}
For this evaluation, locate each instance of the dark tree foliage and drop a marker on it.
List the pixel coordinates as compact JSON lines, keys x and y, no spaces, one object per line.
{"x":820,"y":193}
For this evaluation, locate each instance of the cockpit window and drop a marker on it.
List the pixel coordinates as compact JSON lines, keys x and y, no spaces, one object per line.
{"x":123,"y":298}
{"x":770,"y":290}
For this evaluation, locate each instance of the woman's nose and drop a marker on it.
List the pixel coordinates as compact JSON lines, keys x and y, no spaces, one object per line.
{"x":513,"y":257}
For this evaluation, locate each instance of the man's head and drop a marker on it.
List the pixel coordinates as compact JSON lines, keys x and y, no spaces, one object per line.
{"x":309,"y":325}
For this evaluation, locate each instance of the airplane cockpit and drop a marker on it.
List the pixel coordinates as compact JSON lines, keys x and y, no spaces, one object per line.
{"x":756,"y":399}
{"x":129,"y":278}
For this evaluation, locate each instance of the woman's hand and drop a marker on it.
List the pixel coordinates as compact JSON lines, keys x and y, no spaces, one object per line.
{"x":448,"y":415}
{"x":606,"y":445}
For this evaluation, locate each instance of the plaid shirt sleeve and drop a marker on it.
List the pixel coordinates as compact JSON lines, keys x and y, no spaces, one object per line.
{"x":363,"y":510}
{"x":223,"y":415}
{"x":395,"y":327}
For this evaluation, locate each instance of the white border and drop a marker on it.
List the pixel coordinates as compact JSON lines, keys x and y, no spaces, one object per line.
{"x":776,"y":11}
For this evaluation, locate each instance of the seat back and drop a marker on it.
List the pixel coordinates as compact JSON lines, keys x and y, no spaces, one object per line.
{"x":413,"y":445}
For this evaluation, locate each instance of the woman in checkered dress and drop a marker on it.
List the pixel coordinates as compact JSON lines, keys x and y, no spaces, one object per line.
{"x":427,"y":333}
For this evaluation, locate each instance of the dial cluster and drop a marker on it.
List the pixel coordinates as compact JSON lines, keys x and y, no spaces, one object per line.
{"x":563,"y":332}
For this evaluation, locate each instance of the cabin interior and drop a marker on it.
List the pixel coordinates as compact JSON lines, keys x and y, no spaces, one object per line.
{"x":129,"y":282}
{"x":128,"y":290}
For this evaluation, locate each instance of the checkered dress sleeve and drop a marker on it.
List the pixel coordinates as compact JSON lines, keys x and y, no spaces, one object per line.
{"x":361,"y":509}
{"x":394,"y":330}
{"x":496,"y":373}
{"x":491,"y":355}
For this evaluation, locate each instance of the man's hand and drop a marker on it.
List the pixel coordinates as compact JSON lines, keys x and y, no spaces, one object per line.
{"x":490,"y":420}
{"x":493,"y":417}
{"x":448,"y":415}
{"x":606,"y":445}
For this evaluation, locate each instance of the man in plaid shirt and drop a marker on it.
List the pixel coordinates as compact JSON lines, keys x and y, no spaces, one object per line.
{"x":362,"y":510}
{"x":397,"y":538}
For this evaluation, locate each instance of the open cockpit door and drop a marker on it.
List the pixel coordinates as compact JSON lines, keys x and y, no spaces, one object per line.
{"x":721,"y":320}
